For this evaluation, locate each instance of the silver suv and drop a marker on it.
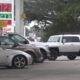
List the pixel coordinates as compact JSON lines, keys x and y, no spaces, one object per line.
{"x":67,"y":45}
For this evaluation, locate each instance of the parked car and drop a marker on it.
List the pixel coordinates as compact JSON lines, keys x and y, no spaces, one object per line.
{"x":20,"y":39}
{"x":43,"y":48}
{"x":64,"y":44}
{"x":30,"y":49}
{"x":14,"y":58}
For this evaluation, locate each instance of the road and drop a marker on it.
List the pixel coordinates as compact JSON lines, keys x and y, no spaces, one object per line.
{"x":61,"y":69}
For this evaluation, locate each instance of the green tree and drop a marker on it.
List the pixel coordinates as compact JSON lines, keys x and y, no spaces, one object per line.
{"x":68,"y":20}
{"x":57,"y":16}
{"x":44,"y":11}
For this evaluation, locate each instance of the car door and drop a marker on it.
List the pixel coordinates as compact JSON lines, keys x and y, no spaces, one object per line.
{"x":6,"y":43}
{"x":3,"y":56}
{"x":70,"y":44}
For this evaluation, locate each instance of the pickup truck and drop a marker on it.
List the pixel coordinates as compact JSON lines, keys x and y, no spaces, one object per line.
{"x":64,"y":44}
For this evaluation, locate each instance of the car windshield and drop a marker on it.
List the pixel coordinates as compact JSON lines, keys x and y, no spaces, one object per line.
{"x":18,"y":38}
{"x":54,"y":39}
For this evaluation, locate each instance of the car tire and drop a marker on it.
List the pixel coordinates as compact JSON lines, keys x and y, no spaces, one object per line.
{"x":19,"y":61}
{"x":42,"y":59}
{"x":43,"y":53}
{"x":53,"y":55}
{"x":71,"y":57}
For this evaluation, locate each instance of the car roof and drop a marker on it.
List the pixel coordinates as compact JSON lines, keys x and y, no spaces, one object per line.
{"x":67,"y":35}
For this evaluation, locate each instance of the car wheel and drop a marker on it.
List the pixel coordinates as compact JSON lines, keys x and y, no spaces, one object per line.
{"x":53,"y":55}
{"x":71,"y":57}
{"x":41,"y":59}
{"x":43,"y":53}
{"x":19,"y":61}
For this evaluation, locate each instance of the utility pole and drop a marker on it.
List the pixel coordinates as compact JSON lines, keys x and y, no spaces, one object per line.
{"x":19,"y":22}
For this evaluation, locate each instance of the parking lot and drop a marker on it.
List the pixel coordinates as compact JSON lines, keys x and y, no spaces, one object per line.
{"x":35,"y":37}
{"x":61,"y":69}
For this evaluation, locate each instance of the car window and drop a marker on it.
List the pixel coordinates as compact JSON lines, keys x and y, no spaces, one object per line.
{"x":6,"y":41}
{"x":18,"y":38}
{"x":70,"y":39}
{"x":54,"y":39}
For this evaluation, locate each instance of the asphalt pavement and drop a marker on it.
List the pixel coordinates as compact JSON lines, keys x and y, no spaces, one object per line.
{"x":61,"y":69}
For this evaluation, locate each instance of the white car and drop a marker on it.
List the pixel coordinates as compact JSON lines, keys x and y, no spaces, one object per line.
{"x":64,"y":44}
{"x":14,"y":58}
